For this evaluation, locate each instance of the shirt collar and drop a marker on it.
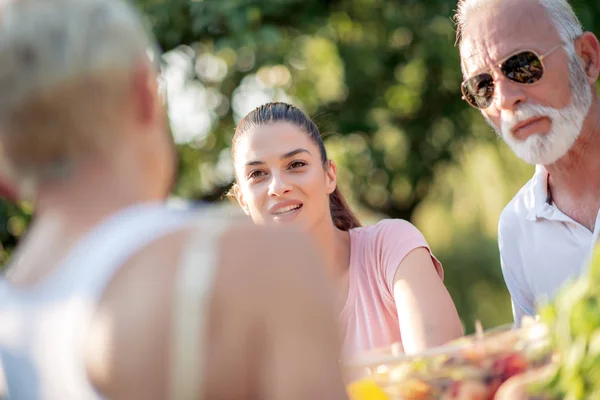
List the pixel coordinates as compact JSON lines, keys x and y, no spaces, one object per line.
{"x":538,"y":194}
{"x":538,"y":199}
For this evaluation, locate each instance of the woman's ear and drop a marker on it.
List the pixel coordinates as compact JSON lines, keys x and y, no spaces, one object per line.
{"x":240,"y":198}
{"x":330,"y":176}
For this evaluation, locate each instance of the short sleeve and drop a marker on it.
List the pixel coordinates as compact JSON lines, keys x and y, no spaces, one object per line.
{"x":394,"y":240}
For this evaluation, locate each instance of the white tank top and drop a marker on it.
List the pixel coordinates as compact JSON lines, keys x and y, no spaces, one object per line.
{"x":42,"y":327}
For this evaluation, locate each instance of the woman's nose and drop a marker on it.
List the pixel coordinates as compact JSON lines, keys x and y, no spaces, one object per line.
{"x":278,"y":185}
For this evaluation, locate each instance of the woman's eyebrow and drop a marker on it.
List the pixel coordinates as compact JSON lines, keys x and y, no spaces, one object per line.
{"x":284,"y":156}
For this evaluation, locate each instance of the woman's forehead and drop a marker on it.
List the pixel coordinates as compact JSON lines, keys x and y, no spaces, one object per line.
{"x":272,"y":140}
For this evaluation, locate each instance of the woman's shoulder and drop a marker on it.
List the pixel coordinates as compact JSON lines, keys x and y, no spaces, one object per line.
{"x":390,"y":241}
{"x":387,"y":243}
{"x":393,"y":228}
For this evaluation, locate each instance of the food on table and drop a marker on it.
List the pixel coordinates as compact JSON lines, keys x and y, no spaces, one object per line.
{"x":365,"y":389}
{"x":470,"y":368}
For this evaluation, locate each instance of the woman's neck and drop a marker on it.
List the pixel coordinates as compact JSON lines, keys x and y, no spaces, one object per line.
{"x":334,"y":245}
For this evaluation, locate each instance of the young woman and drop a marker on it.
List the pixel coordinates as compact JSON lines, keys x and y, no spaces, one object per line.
{"x":389,"y":285}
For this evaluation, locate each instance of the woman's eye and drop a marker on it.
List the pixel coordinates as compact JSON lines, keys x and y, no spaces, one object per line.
{"x":297,"y":164}
{"x":255,"y":174}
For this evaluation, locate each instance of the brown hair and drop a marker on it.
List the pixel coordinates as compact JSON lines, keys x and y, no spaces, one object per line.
{"x":341,"y":214}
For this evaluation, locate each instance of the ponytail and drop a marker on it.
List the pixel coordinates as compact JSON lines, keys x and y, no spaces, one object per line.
{"x":341,"y":214}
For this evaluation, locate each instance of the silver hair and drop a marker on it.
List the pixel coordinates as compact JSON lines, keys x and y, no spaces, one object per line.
{"x":559,"y":12}
{"x":47,"y":44}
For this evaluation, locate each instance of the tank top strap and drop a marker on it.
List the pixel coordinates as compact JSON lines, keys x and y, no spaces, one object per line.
{"x":107,"y":247}
{"x":191,"y":301}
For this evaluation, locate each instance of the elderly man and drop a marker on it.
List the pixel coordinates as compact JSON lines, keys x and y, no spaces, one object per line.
{"x":111,"y":293}
{"x":530,"y":69}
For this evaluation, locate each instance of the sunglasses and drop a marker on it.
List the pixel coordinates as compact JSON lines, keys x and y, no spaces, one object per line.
{"x":525,"y":67}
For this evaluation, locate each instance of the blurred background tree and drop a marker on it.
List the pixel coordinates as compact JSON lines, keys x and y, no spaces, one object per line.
{"x":382,"y":80}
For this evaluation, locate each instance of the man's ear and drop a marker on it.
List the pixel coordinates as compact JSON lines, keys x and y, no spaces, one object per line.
{"x":240,"y":199}
{"x":588,"y":50}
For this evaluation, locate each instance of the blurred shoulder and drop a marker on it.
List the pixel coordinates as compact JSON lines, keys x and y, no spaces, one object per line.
{"x":264,"y":253}
{"x":251,"y":265}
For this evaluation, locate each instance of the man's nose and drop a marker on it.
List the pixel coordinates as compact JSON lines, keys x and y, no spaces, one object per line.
{"x":508,"y":94}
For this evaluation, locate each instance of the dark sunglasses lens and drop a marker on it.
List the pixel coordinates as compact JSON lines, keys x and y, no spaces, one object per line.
{"x":525,"y":68}
{"x":479,"y":90}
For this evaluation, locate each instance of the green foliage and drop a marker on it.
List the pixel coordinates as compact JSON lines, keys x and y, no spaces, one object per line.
{"x":13,"y":221}
{"x":365,"y":68}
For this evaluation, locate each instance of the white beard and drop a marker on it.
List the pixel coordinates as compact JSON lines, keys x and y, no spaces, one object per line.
{"x":566,"y":124}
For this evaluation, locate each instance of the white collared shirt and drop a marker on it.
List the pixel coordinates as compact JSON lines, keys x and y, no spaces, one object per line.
{"x":541,"y":248}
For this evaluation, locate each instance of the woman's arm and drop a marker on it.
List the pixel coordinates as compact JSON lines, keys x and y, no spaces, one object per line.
{"x":426,"y":313}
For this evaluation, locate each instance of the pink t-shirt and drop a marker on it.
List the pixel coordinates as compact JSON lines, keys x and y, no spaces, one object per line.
{"x":369,"y":316}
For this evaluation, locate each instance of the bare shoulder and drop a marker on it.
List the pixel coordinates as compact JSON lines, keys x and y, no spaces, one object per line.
{"x":273,"y":292}
{"x":261,"y":285}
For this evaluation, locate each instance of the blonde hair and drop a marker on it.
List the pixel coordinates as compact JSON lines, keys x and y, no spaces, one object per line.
{"x":64,"y":66}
